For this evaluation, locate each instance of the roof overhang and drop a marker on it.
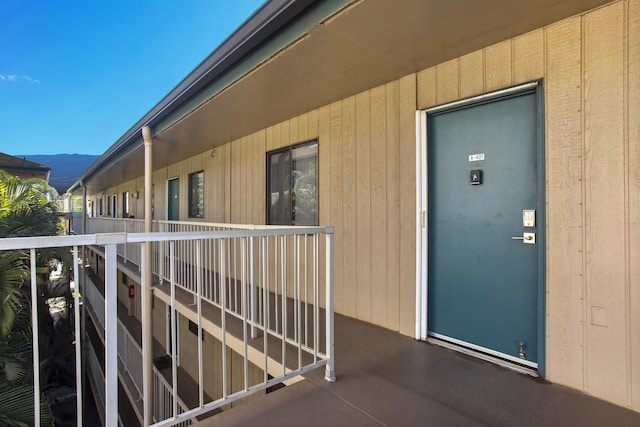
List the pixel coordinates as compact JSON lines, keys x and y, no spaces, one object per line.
{"x":291,"y":57}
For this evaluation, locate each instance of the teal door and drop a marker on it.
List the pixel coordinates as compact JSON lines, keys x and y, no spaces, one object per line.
{"x":483,"y":278}
{"x":173,"y":199}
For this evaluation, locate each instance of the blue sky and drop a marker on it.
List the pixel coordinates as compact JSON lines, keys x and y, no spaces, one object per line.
{"x":75,"y":75}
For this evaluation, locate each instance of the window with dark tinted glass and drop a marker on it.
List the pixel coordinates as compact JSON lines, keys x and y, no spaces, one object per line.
{"x":292,"y":185}
{"x":196,"y":195}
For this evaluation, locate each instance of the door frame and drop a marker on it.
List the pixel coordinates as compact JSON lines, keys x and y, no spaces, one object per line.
{"x":169,"y":201}
{"x":422,"y":208}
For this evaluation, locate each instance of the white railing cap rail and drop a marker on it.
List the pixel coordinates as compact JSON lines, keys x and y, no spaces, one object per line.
{"x":205,"y":224}
{"x":225,"y":234}
{"x":37,"y":242}
{"x":119,"y":238}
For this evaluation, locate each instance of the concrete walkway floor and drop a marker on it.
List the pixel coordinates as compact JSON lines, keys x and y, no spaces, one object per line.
{"x":385,"y":379}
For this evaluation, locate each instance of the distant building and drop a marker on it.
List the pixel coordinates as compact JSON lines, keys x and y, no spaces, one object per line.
{"x":24,"y":168}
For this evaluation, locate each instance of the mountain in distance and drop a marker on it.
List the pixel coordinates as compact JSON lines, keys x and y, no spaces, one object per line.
{"x":65,"y":168}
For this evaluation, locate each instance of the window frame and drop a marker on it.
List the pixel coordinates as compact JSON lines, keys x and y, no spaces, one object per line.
{"x":112,"y":206}
{"x":290,"y":149}
{"x":126,"y":208}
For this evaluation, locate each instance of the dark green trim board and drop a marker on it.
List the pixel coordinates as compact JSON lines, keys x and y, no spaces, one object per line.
{"x":542,"y":232}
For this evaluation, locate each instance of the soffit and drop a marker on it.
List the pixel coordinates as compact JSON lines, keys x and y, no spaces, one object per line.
{"x":365,"y":44}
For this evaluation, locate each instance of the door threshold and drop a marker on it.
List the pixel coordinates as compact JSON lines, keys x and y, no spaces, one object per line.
{"x":514,"y":366}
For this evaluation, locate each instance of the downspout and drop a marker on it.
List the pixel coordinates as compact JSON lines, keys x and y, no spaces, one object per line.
{"x":147,"y":285}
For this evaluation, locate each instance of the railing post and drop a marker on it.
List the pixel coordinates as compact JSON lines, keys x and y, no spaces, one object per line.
{"x":147,"y":336}
{"x":35,"y":340}
{"x":111,"y":335}
{"x":330,"y":374}
{"x":253,"y":284}
{"x":76,"y":312}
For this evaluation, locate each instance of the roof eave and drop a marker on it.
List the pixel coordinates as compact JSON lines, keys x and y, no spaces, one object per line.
{"x":269,"y":18}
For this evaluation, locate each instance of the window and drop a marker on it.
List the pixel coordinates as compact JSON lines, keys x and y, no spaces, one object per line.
{"x":111,"y":206}
{"x":125,"y":205}
{"x":292,"y":185}
{"x":196,"y":195}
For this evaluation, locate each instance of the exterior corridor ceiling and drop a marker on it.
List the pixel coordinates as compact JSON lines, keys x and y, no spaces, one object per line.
{"x":366,"y":43}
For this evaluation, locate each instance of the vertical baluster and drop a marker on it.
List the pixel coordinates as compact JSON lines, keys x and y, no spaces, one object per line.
{"x":35,"y":340}
{"x":76,"y":311}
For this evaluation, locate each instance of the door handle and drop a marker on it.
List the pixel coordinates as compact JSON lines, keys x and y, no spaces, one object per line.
{"x":527,"y":238}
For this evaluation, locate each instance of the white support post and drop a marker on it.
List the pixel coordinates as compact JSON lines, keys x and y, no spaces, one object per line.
{"x":330,"y":374}
{"x":173,"y":334}
{"x":147,"y":362}
{"x":245,"y":311}
{"x":223,"y":315}
{"x":199,"y":312}
{"x":111,"y":336}
{"x":76,"y":311}
{"x":35,"y":342}
{"x":146,"y":287}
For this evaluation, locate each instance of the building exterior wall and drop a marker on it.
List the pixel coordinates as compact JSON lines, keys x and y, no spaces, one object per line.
{"x":590,"y":68}
{"x":590,"y":65}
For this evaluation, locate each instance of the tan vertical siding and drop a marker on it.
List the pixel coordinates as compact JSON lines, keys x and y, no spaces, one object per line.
{"x":528,"y":56}
{"x":589,"y":64}
{"x":392,"y":191}
{"x":159,"y":316}
{"x":363,"y":208}
{"x":604,"y":196}
{"x":378,"y":231}
{"x":335,"y":193}
{"x":407,"y":182}
{"x":590,"y":67}
{"x":471,"y":74}
{"x":349,"y":213}
{"x":498,"y":66}
{"x":448,"y":79}
{"x":212,"y":365}
{"x":565,"y":246}
{"x":633,"y":137}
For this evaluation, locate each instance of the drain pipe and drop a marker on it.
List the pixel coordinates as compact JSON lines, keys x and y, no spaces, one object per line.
{"x":147,"y":285}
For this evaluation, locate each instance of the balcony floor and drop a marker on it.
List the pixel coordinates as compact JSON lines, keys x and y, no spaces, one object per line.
{"x":388,"y":379}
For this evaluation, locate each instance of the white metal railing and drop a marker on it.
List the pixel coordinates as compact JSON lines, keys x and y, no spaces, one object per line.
{"x":276,"y":282}
{"x":163,"y":401}
{"x":130,"y":251}
{"x":130,"y":355}
{"x":96,"y":304}
{"x":97,"y":377}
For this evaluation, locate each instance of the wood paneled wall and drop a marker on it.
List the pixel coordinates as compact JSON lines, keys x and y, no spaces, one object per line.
{"x":590,"y":66}
{"x":591,"y":70}
{"x":367,"y":192}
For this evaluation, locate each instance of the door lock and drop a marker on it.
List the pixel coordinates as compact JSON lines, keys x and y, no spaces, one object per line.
{"x":527,"y":238}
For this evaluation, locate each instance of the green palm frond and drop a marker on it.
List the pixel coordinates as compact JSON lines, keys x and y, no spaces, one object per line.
{"x":16,"y":406}
{"x":13,"y":272}
{"x":16,"y":350}
{"x":25,"y":209}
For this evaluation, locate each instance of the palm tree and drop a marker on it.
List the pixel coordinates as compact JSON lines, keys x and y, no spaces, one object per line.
{"x":16,"y":389}
{"x":25,"y":210}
